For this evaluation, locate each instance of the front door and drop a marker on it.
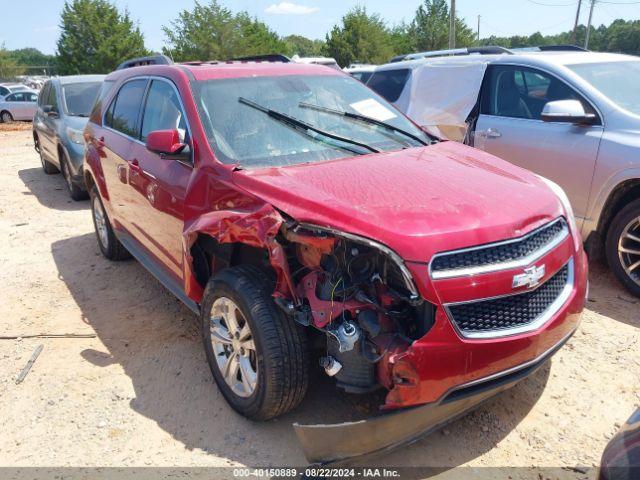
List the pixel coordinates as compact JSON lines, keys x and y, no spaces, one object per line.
{"x":510,"y":127}
{"x":157,"y":185}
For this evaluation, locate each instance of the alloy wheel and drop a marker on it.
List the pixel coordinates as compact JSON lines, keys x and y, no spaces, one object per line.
{"x":234,"y":347}
{"x":629,"y":249}
{"x":100,"y":221}
{"x":6,"y":117}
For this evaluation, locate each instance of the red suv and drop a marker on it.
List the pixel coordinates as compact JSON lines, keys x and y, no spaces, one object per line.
{"x":296,"y":211}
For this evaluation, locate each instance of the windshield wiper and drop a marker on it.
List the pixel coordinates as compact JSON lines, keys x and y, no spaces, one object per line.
{"x":305,"y":127}
{"x":364,"y":118}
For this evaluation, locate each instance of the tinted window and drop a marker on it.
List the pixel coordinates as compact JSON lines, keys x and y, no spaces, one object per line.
{"x":31,"y":97}
{"x":14,"y":98}
{"x":520,"y":92}
{"x":44,"y":93}
{"x":79,"y":97}
{"x":389,"y":83}
{"x":4,"y":91}
{"x":105,"y":88}
{"x":52,"y":98}
{"x":127,"y":108}
{"x":162,"y":110}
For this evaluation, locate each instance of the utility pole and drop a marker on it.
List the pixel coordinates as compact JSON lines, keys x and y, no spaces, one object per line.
{"x":452,"y":25}
{"x":586,"y":39}
{"x":479,"y":29}
{"x":575,"y":25}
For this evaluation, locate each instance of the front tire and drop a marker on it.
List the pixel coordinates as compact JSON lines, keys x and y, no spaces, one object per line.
{"x":75,"y":191}
{"x":259,"y":357}
{"x":109,"y":244}
{"x":6,"y":117}
{"x":623,"y":247}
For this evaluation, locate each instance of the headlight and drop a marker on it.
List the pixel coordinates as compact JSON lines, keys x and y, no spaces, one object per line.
{"x":566,"y":204}
{"x":76,"y":136}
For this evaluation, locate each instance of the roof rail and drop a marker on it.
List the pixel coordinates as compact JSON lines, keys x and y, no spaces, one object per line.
{"x":561,"y":48}
{"x":140,"y":61}
{"x":398,"y":58}
{"x":487,"y":50}
{"x":271,"y":57}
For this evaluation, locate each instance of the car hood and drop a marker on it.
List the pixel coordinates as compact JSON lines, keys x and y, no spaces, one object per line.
{"x":416,"y":201}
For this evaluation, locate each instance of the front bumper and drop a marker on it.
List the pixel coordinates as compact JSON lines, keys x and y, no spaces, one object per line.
{"x":338,"y":443}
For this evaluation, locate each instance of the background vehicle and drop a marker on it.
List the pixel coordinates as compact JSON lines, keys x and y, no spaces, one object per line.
{"x":361,"y":72}
{"x":326,"y":61}
{"x":571,"y":116}
{"x":621,"y":457}
{"x":62,"y":112}
{"x":290,"y":206}
{"x":7,"y":88}
{"x":18,"y":106}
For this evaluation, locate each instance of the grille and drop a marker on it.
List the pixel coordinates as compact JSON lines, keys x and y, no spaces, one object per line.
{"x":510,"y":312}
{"x":496,"y":254}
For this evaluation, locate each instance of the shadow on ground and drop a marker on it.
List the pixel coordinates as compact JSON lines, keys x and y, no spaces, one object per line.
{"x":609,"y":298}
{"x":50,"y":190}
{"x":156,"y":341}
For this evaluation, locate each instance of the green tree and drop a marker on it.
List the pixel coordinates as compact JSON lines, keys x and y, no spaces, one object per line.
{"x":303,"y":46}
{"x":95,"y":37}
{"x":360,"y":38}
{"x":430,"y":28}
{"x":9,"y":68}
{"x":213,"y":32}
{"x":31,"y":57}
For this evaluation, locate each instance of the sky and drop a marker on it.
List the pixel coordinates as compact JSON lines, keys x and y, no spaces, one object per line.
{"x":34,"y":23}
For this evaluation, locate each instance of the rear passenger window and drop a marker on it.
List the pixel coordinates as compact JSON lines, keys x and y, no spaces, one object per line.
{"x":162,"y":110}
{"x":125,"y":109}
{"x":389,"y":83}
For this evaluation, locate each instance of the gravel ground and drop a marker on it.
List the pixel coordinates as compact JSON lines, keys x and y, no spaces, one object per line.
{"x":138,"y":391}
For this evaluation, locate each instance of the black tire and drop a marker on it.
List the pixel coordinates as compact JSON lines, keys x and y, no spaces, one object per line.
{"x":110,"y":247}
{"x":281,"y":345}
{"x":47,"y":167}
{"x":76,"y":192}
{"x":616,"y":230}
{"x":6,"y":117}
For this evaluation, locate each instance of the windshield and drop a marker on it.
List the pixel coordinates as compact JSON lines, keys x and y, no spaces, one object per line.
{"x":79,"y":98}
{"x":620,"y":81}
{"x":242,"y":134}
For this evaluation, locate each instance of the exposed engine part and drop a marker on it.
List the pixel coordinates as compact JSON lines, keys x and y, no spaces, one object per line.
{"x":331,"y":365}
{"x":346,"y":334}
{"x":368,"y":320}
{"x":357,"y":374}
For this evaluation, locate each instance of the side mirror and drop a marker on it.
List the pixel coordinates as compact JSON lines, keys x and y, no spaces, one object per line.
{"x":567,"y":111}
{"x":167,"y":144}
{"x":49,"y":111}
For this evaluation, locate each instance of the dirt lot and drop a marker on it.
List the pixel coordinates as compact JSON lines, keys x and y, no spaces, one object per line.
{"x":140,"y":392}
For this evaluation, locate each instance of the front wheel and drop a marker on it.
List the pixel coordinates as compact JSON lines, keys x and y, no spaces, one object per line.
{"x":75,"y":191}
{"x":623,"y":247}
{"x":259,"y":357}
{"x":6,"y":117}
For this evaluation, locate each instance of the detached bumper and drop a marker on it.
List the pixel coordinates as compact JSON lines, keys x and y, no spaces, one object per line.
{"x":324,"y":444}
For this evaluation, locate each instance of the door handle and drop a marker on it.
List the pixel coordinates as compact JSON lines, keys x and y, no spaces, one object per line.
{"x":492,"y":133}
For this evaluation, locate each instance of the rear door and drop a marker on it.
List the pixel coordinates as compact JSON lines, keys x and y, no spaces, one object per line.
{"x":38,"y":120}
{"x":50,"y":124}
{"x":510,"y":127}
{"x":121,"y":132}
{"x":158,"y":185}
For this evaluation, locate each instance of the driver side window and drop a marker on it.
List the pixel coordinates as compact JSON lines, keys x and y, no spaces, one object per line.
{"x":522,"y":92}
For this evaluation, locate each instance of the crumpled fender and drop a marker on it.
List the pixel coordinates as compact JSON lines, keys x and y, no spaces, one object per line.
{"x":256,"y":227}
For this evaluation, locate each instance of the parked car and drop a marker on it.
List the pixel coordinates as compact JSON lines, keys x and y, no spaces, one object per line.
{"x":18,"y":106}
{"x":571,"y":116}
{"x":63,"y":109}
{"x":7,"y":88}
{"x":289,"y":205}
{"x":326,"y":61}
{"x":360,"y":71}
{"x":621,"y":457}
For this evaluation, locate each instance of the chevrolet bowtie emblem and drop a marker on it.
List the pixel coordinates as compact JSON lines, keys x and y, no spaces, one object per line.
{"x":530,"y":278}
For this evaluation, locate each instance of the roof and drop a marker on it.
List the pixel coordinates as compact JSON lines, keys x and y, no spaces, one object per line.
{"x":231,"y":69}
{"x":80,"y":79}
{"x":552,"y":57}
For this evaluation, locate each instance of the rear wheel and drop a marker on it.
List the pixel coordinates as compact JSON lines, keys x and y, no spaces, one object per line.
{"x":6,"y":117}
{"x":258,"y":356}
{"x":623,"y":247}
{"x":75,"y":191}
{"x":109,"y":245}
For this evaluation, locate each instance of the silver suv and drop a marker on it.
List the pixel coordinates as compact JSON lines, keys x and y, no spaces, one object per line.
{"x":571,"y":116}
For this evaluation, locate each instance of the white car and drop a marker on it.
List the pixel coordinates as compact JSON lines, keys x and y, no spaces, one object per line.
{"x":360,"y":71}
{"x":18,"y":106}
{"x":7,"y":88}
{"x":326,"y":61}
